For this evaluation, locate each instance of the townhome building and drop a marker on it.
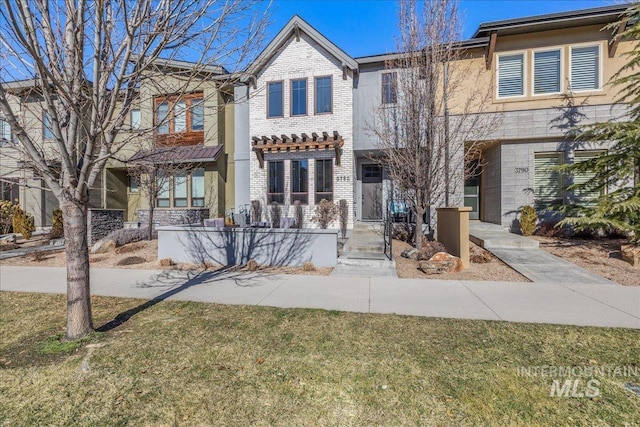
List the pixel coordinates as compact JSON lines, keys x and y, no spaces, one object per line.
{"x":303,"y":117}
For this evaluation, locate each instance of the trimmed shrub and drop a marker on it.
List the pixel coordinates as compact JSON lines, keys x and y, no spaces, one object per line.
{"x":308,"y":266}
{"x":297,"y":214}
{"x":528,"y":219}
{"x":165,"y":262}
{"x":325,"y":213}
{"x":252,"y":265}
{"x":404,"y":232}
{"x":276,"y":213}
{"x":125,"y":236}
{"x":344,"y":216}
{"x":6,"y":216}
{"x":22,"y":222}
{"x":57,"y":228}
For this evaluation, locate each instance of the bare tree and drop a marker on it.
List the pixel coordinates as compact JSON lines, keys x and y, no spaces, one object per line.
{"x":424,"y":148}
{"x":87,"y":60}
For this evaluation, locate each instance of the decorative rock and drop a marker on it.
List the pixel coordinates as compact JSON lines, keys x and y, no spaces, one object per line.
{"x":411,"y":253}
{"x":631,"y":254}
{"x":441,"y":262}
{"x":8,"y":239}
{"x":102,"y":246}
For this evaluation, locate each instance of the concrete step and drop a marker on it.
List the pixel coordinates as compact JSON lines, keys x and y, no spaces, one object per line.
{"x":364,"y":247}
{"x":366,"y":255}
{"x":364,"y":267}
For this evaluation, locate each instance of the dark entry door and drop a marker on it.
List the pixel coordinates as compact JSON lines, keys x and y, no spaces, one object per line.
{"x":472,"y":196}
{"x":371,"y":192}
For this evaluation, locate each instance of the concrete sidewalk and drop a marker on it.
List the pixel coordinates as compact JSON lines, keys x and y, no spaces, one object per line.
{"x":556,"y":303}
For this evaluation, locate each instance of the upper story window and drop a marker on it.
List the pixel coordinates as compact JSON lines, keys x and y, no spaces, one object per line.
{"x":585,"y":68}
{"x":300,"y":181}
{"x":275,"y":101}
{"x":275,"y":184}
{"x":47,"y":131}
{"x":389,"y":85}
{"x":299,"y":97}
{"x":546,"y":72}
{"x":5,"y":132}
{"x":135,"y":118}
{"x":323,"y":95}
{"x":510,"y":75}
{"x":182,"y":114}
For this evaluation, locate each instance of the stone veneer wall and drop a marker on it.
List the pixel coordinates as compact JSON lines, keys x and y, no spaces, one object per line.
{"x":174,"y":216}
{"x":101,"y":222}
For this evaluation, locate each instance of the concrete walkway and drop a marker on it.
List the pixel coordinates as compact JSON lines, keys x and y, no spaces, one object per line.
{"x":555,"y":302}
{"x":524,"y":255}
{"x":363,"y":254}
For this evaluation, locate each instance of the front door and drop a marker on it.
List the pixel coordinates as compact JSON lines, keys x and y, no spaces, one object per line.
{"x":372,"y":192}
{"x":472,"y":196}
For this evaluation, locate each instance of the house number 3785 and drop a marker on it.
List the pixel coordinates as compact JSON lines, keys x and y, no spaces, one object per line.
{"x":522,"y":170}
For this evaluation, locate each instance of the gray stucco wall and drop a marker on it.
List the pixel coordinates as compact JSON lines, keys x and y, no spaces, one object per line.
{"x":490,"y":192}
{"x":367,"y":97}
{"x":236,"y":246}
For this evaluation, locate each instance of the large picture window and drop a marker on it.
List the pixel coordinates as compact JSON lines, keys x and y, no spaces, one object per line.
{"x":323,"y":95}
{"x":585,"y":68}
{"x":324,"y":180}
{"x":197,"y":188}
{"x":275,"y":102}
{"x":299,"y":97}
{"x":180,"y":190}
{"x":300,"y":181}
{"x":546,"y":72}
{"x":275,"y":185}
{"x":510,"y":75}
{"x":547,"y":180}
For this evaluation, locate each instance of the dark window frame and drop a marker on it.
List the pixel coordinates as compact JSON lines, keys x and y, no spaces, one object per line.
{"x":389,"y":88}
{"x":277,"y":197}
{"x":292,"y":97}
{"x":319,"y":187}
{"x":315,"y":94}
{"x":302,"y":196}
{"x":171,"y":101}
{"x":269,"y":116}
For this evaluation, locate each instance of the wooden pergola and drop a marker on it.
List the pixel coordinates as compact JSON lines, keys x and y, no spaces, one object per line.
{"x":295,"y":143}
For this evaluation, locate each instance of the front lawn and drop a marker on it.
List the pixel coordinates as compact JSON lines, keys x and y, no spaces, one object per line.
{"x":182,"y":363}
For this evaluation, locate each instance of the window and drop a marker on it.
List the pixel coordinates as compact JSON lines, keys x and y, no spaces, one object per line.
{"x":585,"y":68}
{"x":547,"y":180}
{"x":275,"y":99}
{"x":9,"y":189}
{"x":180,"y":190}
{"x":135,"y":118}
{"x":275,"y":186}
{"x":324,"y":180}
{"x":182,"y":115}
{"x":300,"y":181}
{"x":197,"y":114}
{"x":510,"y":75}
{"x":299,"y":97}
{"x":197,"y":188}
{"x":586,"y":196}
{"x":546,"y":72}
{"x":47,"y":131}
{"x":134,"y":184}
{"x":389,"y":85}
{"x":163,"y":198}
{"x":323,"y":95}
{"x":5,"y":132}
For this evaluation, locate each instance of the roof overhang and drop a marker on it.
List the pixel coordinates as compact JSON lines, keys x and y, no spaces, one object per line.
{"x":178,"y":154}
{"x":553,"y":21}
{"x":477,"y":43}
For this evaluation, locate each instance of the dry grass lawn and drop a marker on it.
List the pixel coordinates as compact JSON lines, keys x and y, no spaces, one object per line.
{"x":181,"y":363}
{"x":600,"y":256}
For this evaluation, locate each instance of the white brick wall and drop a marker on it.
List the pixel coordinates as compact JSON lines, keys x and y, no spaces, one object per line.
{"x":299,"y":59}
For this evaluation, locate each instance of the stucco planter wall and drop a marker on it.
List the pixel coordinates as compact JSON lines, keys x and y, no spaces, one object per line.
{"x":236,"y":246}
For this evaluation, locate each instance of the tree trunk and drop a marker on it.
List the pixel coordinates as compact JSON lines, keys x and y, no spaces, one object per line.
{"x":418,"y":236}
{"x":150,"y":225}
{"x":79,"y":322}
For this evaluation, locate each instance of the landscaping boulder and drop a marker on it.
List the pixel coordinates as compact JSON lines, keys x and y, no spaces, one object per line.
{"x":8,"y":239}
{"x":631,"y":254}
{"x":441,"y":262}
{"x":103,"y":246}
{"x":131,"y":260}
{"x":411,"y":253}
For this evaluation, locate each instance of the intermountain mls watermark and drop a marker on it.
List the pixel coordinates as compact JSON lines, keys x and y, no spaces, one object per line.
{"x":577,"y":381}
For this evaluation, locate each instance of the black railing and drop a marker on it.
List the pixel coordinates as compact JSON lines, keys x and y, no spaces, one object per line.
{"x":388,"y":234}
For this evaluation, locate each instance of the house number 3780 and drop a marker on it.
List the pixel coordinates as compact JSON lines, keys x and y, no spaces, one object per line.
{"x":522,"y":170}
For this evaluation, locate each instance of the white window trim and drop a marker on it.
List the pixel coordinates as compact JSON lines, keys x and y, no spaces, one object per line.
{"x":525,"y":62}
{"x":533,"y":71}
{"x":600,"y":66}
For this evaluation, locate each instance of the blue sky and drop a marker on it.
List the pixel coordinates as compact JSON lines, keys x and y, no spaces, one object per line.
{"x":367,"y":27}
